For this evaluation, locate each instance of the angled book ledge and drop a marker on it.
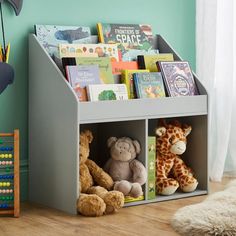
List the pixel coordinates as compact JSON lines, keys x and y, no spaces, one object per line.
{"x":56,"y":118}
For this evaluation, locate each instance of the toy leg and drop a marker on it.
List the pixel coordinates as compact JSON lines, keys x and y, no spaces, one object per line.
{"x":128,"y":189}
{"x":184,"y":176}
{"x":166,"y":186}
{"x":114,"y":200}
{"x":90,"y":205}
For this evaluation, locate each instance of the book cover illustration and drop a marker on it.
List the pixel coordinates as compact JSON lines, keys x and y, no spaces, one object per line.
{"x":103,"y":92}
{"x":132,"y":39}
{"x":119,"y":66}
{"x":104,"y":64}
{"x":151,"y":167}
{"x":149,"y":61}
{"x":178,"y":78}
{"x":102,"y":50}
{"x":81,"y":76}
{"x":50,"y":36}
{"x":149,"y":85}
{"x":127,"y":78}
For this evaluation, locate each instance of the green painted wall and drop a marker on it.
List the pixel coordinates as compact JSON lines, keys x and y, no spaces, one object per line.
{"x":174,"y":19}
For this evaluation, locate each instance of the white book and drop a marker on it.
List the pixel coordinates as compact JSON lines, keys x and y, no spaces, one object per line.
{"x":102,"y":92}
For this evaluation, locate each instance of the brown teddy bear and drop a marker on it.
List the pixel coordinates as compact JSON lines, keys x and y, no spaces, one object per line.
{"x":128,"y":173}
{"x":95,"y":200}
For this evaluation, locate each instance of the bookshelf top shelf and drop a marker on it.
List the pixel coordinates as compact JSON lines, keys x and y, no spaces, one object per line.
{"x":53,"y":90}
{"x":136,"y":109}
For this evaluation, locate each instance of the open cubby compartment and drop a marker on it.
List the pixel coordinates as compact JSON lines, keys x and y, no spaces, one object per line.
{"x":99,"y":152}
{"x":56,"y":117}
{"x":195,"y":155}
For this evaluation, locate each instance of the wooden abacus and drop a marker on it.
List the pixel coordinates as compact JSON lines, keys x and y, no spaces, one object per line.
{"x":9,"y":182}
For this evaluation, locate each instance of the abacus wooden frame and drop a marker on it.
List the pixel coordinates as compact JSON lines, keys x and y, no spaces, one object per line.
{"x":16,"y":210}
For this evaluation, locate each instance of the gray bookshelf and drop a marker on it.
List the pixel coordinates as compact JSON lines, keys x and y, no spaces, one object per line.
{"x":56,"y":118}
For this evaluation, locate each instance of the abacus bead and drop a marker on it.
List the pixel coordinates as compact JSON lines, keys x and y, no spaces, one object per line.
{"x":1,"y":184}
{"x":4,"y":191}
{"x":5,"y":155}
{"x":8,"y":184}
{"x":11,"y":149}
{"x":1,"y":142}
{"x":11,"y":190}
{"x":7,"y":169}
{"x":10,"y":155}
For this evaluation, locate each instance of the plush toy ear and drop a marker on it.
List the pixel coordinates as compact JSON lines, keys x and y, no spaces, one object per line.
{"x":160,"y":131}
{"x":89,"y":135}
{"x":187,"y":130}
{"x":111,"y":141}
{"x":137,"y":146}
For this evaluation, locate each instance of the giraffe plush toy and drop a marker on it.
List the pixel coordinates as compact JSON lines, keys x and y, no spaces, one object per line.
{"x":171,"y":170}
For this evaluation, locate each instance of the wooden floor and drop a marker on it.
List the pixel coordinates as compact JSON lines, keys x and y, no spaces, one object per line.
{"x":149,"y":219}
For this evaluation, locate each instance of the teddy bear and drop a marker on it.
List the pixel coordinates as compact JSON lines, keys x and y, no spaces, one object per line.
{"x":171,"y":171}
{"x":95,"y":200}
{"x":128,"y":173}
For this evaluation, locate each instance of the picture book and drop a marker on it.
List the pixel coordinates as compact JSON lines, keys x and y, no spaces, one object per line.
{"x":149,"y":61}
{"x":132,"y":39}
{"x":81,"y":76}
{"x":149,"y":85}
{"x":178,"y":78}
{"x":102,"y":50}
{"x":151,"y":194}
{"x":118,"y":66}
{"x":102,"y":92}
{"x":133,"y":199}
{"x":127,"y":78}
{"x":50,"y":36}
{"x":104,"y":64}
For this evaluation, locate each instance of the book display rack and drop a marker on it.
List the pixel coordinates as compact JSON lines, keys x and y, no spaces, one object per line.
{"x":56,"y":118}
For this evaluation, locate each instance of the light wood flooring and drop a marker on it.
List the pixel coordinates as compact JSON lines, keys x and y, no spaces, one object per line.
{"x":149,"y":219}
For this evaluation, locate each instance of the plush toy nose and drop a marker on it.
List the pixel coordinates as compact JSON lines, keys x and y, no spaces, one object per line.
{"x":6,"y":76}
{"x":178,"y":148}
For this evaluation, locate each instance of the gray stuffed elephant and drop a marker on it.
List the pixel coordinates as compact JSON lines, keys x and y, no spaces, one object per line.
{"x":128,"y":173}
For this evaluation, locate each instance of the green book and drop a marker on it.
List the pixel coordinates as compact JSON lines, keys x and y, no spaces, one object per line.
{"x":104,"y":64}
{"x":149,"y":61}
{"x":151,"y":167}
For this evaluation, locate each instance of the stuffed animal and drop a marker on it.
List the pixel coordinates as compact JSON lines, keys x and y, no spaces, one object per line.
{"x":171,"y":170}
{"x":128,"y":173}
{"x":95,"y":200}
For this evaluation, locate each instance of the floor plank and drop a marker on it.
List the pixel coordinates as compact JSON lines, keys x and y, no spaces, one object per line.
{"x":149,"y":219}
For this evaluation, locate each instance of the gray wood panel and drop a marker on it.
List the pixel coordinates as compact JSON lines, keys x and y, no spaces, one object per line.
{"x":53,"y":133}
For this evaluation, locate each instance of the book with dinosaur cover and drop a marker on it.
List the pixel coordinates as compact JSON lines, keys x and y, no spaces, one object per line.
{"x":178,"y":78}
{"x":151,"y":181}
{"x":149,"y":61}
{"x":149,"y":85}
{"x":127,"y":78}
{"x":50,"y":36}
{"x":80,"y":76}
{"x":102,"y":92}
{"x":102,"y":50}
{"x":132,"y":39}
{"x":104,"y":64}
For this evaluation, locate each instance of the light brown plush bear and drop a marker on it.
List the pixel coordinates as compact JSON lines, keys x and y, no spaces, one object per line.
{"x":128,"y":173}
{"x":95,"y":200}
